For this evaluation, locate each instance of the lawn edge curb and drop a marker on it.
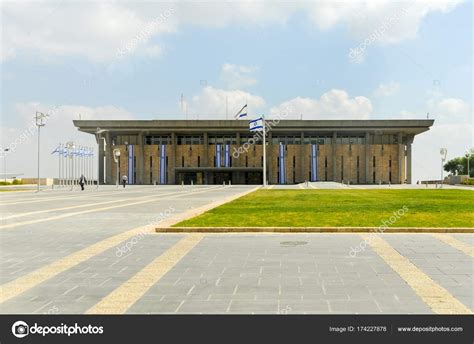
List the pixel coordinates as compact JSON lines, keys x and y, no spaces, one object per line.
{"x":312,"y":230}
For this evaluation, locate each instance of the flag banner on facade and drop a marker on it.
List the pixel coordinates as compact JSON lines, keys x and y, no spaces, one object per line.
{"x":282,"y":166}
{"x":256,"y":124}
{"x":227,"y":155}
{"x":163,"y":164}
{"x":131,"y":165}
{"x":314,"y":163}
{"x":241,"y":113}
{"x":218,"y":155}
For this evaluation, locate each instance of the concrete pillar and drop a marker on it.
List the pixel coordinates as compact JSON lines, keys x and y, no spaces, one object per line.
{"x":108,"y":158}
{"x":409,"y":143}
{"x":172,"y":160}
{"x":141,"y":159}
{"x":302,"y":174}
{"x":401,"y":157}
{"x":269,"y":158}
{"x":334,"y":157}
{"x":367,"y":157}
{"x":205,"y":151}
{"x":101,"y":160}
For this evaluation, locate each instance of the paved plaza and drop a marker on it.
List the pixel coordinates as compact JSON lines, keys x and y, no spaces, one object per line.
{"x":66,"y":252}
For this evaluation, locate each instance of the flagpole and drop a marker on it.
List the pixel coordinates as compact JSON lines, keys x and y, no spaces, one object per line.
{"x":264,"y":153}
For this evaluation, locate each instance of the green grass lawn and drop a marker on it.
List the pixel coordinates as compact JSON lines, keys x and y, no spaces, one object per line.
{"x":327,"y":208}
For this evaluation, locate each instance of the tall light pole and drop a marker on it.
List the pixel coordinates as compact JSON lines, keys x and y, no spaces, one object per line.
{"x":98,"y":136}
{"x":468,"y":157}
{"x":6,"y":150}
{"x":116,"y":159}
{"x":40,"y":122}
{"x":264,"y":152}
{"x":443,"y":152}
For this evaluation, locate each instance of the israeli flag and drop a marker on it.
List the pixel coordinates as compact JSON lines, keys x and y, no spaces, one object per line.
{"x":57,"y":150}
{"x":241,"y":113}
{"x":256,"y":124}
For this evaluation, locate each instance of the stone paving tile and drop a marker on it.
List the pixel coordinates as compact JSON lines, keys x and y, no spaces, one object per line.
{"x":330,"y":275}
{"x":465,"y":238}
{"x":449,"y":267}
{"x":75,"y":292}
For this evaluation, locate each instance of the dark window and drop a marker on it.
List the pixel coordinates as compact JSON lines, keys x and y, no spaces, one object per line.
{"x":326,"y":161}
{"x":374,"y":176}
{"x":357,"y":161}
{"x":190,"y":140}
{"x":246,"y":161}
{"x":342,"y":167}
{"x":262,"y":161}
{"x":390,"y":176}
{"x":373,"y":161}
{"x":182,"y":161}
{"x":199,"y":161}
{"x":390,"y":163}
{"x":294,"y":161}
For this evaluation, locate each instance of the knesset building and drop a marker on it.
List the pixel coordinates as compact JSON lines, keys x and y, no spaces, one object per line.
{"x":218,"y":151}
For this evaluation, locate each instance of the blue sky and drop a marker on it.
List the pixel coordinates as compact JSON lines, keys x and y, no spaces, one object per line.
{"x":62,"y":57}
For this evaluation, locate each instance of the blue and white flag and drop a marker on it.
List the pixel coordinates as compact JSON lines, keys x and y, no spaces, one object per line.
{"x":57,"y":150}
{"x":256,"y":124}
{"x":241,"y":113}
{"x":314,"y":163}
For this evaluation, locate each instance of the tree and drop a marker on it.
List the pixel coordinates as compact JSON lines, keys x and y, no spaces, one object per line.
{"x":459,"y":165}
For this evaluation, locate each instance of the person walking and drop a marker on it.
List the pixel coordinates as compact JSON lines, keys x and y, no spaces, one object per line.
{"x":124,"y":180}
{"x":82,"y":181}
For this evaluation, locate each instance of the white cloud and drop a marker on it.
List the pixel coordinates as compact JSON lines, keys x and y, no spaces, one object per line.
{"x":334,"y":104}
{"x":211,"y":102}
{"x":452,"y":129}
{"x":385,"y":90}
{"x":96,"y":30}
{"x":451,"y":109}
{"x":58,"y":129}
{"x":235,"y":76}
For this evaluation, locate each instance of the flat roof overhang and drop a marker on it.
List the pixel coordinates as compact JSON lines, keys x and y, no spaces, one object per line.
{"x":407,"y":126}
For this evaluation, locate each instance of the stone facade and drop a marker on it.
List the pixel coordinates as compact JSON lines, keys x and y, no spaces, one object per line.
{"x":359,"y":152}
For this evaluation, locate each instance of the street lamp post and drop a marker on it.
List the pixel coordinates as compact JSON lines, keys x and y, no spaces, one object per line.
{"x":116,"y":159}
{"x":40,"y":122}
{"x":443,"y":152}
{"x":70,"y":154}
{"x":6,"y":150}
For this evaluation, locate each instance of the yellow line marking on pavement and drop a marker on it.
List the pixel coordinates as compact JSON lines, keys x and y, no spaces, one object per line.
{"x":71,"y":207}
{"x":32,"y":279}
{"x":24,"y":283}
{"x":457,"y":244}
{"x":72,"y":196}
{"x":124,"y":296}
{"x":57,"y":217}
{"x":435,"y":296}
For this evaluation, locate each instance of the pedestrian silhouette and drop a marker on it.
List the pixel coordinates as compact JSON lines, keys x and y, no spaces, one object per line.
{"x":124,"y":180}
{"x":82,"y":181}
